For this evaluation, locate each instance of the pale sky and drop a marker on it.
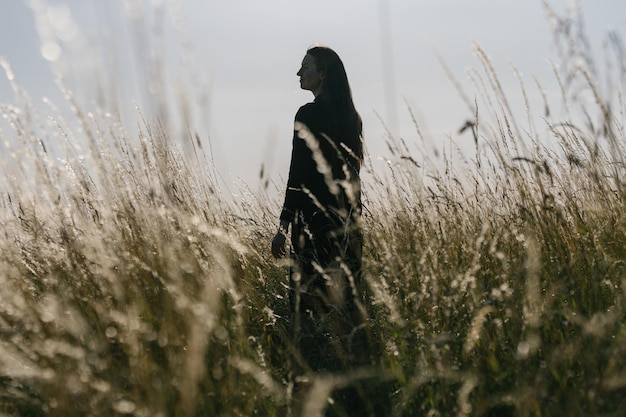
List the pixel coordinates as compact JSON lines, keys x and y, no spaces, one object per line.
{"x":241,"y":57}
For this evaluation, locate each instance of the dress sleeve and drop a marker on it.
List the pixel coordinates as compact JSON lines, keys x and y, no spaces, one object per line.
{"x":300,"y":154}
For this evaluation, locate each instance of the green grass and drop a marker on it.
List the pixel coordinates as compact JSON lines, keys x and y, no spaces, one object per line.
{"x":131,"y":286}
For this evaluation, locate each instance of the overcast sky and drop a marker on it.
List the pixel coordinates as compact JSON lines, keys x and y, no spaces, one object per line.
{"x":240,"y":59}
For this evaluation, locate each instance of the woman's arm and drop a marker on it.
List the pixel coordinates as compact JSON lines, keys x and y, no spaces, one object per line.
{"x":299,"y":169}
{"x":278,"y":243}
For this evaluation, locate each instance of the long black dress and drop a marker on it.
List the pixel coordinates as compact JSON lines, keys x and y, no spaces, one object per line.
{"x":323,"y":205}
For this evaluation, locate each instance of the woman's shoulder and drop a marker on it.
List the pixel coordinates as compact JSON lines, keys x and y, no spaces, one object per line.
{"x":308,"y":112}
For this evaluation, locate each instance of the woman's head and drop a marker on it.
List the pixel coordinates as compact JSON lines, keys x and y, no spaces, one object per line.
{"x":323,"y":73}
{"x":327,"y":70}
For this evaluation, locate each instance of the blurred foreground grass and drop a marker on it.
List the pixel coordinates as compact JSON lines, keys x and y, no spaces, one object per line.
{"x":130,"y":285}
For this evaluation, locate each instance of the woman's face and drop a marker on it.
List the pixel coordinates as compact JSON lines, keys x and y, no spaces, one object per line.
{"x":310,"y":78}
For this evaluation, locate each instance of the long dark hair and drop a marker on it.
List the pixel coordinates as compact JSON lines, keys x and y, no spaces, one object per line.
{"x":337,"y":95}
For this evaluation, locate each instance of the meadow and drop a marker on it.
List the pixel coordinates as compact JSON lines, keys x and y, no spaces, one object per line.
{"x":131,"y":285}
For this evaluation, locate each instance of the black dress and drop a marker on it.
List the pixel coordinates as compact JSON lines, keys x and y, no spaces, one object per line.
{"x":323,"y":205}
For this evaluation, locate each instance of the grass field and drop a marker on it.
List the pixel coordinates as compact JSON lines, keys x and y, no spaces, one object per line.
{"x":130,"y":285}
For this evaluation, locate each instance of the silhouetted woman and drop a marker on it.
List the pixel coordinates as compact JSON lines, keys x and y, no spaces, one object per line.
{"x":323,"y":207}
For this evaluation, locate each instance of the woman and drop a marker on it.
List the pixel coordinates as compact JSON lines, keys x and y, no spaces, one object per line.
{"x":323,"y":207}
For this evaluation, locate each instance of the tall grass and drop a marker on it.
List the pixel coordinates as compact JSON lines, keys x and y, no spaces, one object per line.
{"x":132,"y":286}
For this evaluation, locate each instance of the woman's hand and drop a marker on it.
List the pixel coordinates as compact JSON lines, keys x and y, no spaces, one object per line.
{"x":278,"y":245}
